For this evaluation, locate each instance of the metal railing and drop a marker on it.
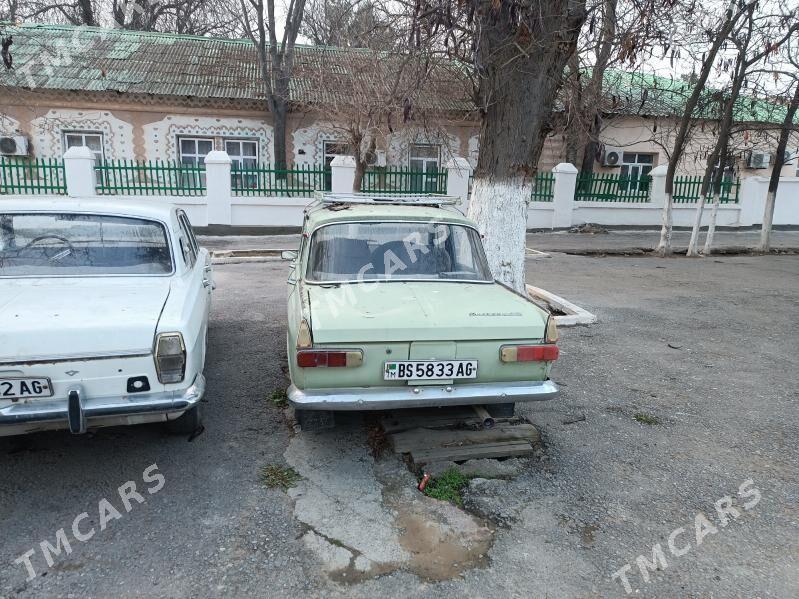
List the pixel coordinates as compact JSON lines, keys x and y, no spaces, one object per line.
{"x":303,"y":180}
{"x":151,"y":177}
{"x":32,"y":176}
{"x":688,"y":189}
{"x":389,"y":179}
{"x":543,"y":187}
{"x":610,"y":187}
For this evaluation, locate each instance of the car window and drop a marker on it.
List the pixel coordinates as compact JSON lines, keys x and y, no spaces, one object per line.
{"x":184,"y":218}
{"x":187,"y":247}
{"x":396,"y":251}
{"x":58,"y":244}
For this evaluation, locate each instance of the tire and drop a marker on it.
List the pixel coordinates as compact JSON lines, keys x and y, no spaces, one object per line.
{"x":189,"y":422}
{"x":501,"y":410}
{"x":312,"y":421}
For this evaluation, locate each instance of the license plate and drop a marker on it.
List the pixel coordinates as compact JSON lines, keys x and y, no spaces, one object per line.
{"x":420,"y":370}
{"x":22,"y":388}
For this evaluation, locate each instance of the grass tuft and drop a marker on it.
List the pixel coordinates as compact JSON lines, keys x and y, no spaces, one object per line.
{"x":279,"y":398}
{"x":647,"y":419}
{"x":279,"y":477}
{"x":448,"y":486}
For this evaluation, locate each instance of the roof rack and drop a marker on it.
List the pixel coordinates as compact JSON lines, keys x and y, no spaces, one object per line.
{"x":326,"y":197}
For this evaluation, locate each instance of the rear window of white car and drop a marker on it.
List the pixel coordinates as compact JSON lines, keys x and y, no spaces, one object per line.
{"x":68,"y":244}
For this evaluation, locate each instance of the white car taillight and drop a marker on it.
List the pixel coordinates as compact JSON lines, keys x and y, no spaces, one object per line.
{"x":552,"y":330}
{"x":304,"y":338}
{"x":170,"y":357}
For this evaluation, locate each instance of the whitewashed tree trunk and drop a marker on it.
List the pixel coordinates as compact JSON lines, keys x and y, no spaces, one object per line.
{"x":500,"y":210}
{"x":768,"y":219}
{"x":692,"y":245}
{"x":664,"y":246}
{"x":711,"y":226}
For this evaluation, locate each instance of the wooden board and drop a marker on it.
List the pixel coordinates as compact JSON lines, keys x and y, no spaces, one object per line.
{"x":402,"y":420}
{"x":473,"y":452}
{"x":428,"y":445}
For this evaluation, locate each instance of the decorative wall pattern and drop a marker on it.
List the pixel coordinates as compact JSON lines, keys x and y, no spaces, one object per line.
{"x":47,"y":132}
{"x":474,"y":150}
{"x":160,"y":138}
{"x":309,"y":142}
{"x":8,"y":125}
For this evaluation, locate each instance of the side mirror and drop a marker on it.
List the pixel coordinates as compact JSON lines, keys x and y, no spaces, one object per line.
{"x":288,"y":255}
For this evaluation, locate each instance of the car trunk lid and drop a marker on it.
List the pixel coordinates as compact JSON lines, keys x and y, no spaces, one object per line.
{"x":60,"y":317}
{"x":421,"y":311}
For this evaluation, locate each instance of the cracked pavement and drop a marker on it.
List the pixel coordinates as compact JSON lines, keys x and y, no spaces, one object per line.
{"x":706,"y":347}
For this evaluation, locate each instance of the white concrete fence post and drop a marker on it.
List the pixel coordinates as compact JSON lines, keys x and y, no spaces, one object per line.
{"x":657,"y":189}
{"x":752,"y":200}
{"x":218,"y":187}
{"x":458,"y":173}
{"x":79,"y":172}
{"x":563,"y":195}
{"x":343,"y":174}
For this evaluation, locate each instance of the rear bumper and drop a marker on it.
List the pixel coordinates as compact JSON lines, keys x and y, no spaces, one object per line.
{"x":76,"y":412}
{"x":420,"y":396}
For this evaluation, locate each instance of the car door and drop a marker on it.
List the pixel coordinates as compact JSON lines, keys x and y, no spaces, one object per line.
{"x":198,"y":282}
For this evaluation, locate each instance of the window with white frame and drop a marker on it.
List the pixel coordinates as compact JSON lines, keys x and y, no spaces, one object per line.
{"x":91,"y":139}
{"x":633,"y":167}
{"x":425,"y":157}
{"x":192,"y":150}
{"x":243,"y":153}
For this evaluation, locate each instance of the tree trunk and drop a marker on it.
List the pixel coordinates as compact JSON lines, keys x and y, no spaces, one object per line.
{"x":711,"y":226}
{"x":730,"y":18}
{"x":776,"y":170}
{"x":279,"y":131}
{"x":520,"y":68}
{"x":694,"y":243}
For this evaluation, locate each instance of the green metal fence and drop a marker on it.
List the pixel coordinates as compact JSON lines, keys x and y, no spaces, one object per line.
{"x":543,"y":187}
{"x":155,"y":177}
{"x":266,"y":181}
{"x":688,"y":189}
{"x":33,"y":176}
{"x":402,"y":180}
{"x":610,"y":187}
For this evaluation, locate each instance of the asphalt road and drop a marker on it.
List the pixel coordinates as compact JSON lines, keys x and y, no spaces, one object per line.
{"x":704,"y":349}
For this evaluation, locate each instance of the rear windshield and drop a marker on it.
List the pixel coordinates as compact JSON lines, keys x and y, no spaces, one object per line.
{"x":396,"y":251}
{"x":63,"y":244}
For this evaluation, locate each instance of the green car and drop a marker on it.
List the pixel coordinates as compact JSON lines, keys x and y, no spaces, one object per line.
{"x":392,"y":305}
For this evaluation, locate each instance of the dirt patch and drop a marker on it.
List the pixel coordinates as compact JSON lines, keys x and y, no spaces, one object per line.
{"x":443,"y":541}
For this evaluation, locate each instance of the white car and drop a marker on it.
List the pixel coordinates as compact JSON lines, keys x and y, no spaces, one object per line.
{"x":103,"y":316}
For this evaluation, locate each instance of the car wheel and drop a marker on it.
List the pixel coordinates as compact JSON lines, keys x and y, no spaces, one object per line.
{"x":189,"y":422}
{"x":315,"y":420}
{"x":501,"y":410}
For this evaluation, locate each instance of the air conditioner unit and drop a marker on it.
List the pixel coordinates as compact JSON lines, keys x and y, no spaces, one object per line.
{"x":790,"y":155}
{"x":13,"y":145}
{"x":611,"y":156}
{"x":758,"y":159}
{"x":376,"y":158}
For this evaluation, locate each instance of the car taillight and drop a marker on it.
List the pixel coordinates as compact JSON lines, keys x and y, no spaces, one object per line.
{"x":315,"y":358}
{"x":528,"y":353}
{"x":170,"y":357}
